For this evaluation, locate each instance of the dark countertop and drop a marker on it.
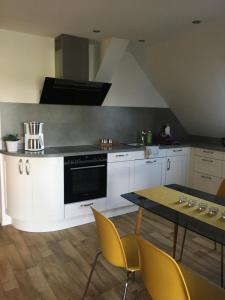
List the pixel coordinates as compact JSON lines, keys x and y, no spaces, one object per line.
{"x":72,"y":151}
{"x":83,"y":150}
{"x":94,"y":149}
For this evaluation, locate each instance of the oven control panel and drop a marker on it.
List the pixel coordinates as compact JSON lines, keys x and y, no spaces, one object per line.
{"x":84,"y":159}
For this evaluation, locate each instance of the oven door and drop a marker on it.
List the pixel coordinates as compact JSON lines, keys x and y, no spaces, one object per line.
{"x":84,"y":182}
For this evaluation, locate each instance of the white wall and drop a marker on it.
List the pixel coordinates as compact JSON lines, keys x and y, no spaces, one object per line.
{"x":26,"y":59}
{"x":189,"y":72}
{"x":24,"y":62}
{"x":131,"y":86}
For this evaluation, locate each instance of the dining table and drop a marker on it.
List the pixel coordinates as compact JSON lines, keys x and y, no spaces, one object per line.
{"x":194,"y":210}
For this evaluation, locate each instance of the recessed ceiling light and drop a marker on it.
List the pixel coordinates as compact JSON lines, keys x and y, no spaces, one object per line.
{"x":196,"y":22}
{"x":141,"y":41}
{"x":96,"y":31}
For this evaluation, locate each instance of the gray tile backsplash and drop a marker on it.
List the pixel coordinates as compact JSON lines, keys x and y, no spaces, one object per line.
{"x":76,"y":125}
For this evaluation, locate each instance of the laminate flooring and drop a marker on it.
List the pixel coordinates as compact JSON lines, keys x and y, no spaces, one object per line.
{"x":55,"y":265}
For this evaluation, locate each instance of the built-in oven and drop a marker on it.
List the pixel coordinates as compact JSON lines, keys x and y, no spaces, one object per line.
{"x":85,"y":177}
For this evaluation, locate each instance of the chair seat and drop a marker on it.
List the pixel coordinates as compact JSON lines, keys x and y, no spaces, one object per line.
{"x":199,"y":287}
{"x":130,"y":246}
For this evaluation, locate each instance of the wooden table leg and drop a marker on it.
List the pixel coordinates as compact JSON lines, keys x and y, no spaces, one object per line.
{"x":221,"y":267}
{"x":138,"y":220}
{"x":175,"y":239}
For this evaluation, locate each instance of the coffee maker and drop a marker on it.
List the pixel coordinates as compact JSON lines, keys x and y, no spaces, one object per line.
{"x":34,"y":139}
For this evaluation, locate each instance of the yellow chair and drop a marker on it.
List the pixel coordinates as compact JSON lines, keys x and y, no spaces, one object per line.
{"x":166,"y":280}
{"x":120,"y":252}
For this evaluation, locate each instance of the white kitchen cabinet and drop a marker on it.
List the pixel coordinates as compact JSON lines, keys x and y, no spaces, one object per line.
{"x":176,"y":170}
{"x":207,"y":165}
{"x":34,"y":188}
{"x":207,"y":183}
{"x":119,"y":181}
{"x":207,"y":169}
{"x":18,"y":188}
{"x":148,"y":173}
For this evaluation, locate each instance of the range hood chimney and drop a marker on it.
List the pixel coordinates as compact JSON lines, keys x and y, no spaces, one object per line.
{"x":71,"y":85}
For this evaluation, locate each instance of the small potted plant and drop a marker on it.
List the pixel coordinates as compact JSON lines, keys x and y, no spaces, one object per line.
{"x":11,"y":141}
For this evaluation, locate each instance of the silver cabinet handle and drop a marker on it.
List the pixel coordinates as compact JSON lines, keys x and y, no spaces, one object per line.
{"x":206,"y":177}
{"x":85,"y":205}
{"x":20,"y":166}
{"x":177,"y":150}
{"x":209,"y":152}
{"x":88,"y":167}
{"x":27,"y":165}
{"x":208,"y":160}
{"x":168,"y":164}
{"x":150,"y":161}
{"x":121,"y":155}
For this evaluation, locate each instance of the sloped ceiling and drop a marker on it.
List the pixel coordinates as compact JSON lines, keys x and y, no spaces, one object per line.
{"x":189,"y":73}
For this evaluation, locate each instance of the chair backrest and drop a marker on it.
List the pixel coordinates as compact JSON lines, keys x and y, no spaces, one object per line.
{"x":221,"y":190}
{"x":110,"y":242}
{"x":161,"y":274}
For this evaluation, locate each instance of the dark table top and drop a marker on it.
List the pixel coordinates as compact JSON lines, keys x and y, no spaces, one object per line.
{"x":179,"y":218}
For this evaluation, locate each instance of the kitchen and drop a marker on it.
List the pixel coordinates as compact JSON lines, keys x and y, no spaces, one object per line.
{"x":133,"y":104}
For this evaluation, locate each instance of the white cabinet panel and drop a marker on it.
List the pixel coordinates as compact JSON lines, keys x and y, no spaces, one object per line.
{"x":148,"y":173}
{"x":34,"y":188}
{"x":176,"y":170}
{"x":118,"y":182}
{"x":208,"y":166}
{"x":83,"y":208}
{"x":47,"y":188}
{"x":121,"y":156}
{"x":209,"y":153}
{"x":177,"y":151}
{"x":206,"y":183}
{"x":19,"y":191}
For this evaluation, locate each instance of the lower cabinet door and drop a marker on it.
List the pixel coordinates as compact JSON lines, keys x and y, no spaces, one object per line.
{"x":19,"y":201}
{"x":148,"y":173}
{"x":34,"y":188}
{"x":206,"y":183}
{"x":176,"y":170}
{"x":47,"y":188}
{"x":118,"y":182}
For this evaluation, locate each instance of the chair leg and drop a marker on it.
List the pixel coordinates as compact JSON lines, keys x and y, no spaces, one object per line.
{"x":90,"y":275}
{"x":175,"y":239}
{"x":182,"y":245}
{"x":221,"y":267}
{"x":126,"y":285}
{"x":215,"y":246}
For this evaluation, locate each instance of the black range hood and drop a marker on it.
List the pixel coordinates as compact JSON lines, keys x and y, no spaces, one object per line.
{"x":71,"y":92}
{"x":71,"y":85}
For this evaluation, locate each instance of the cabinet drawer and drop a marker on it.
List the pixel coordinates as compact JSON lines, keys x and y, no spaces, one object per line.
{"x":121,"y":156}
{"x":206,"y":183}
{"x":208,"y":166}
{"x":209,"y":153}
{"x":177,"y":151}
{"x":83,"y":208}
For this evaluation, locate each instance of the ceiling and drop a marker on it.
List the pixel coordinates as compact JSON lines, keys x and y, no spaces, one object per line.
{"x":152,"y":20}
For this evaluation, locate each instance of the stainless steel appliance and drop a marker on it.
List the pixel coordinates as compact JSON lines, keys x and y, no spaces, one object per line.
{"x":85,"y":177}
{"x":34,"y":139}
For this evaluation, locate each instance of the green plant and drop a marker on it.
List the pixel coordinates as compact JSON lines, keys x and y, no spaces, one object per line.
{"x":11,"y":137}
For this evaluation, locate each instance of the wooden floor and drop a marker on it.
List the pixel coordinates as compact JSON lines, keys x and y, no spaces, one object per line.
{"x":56,"y":265}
